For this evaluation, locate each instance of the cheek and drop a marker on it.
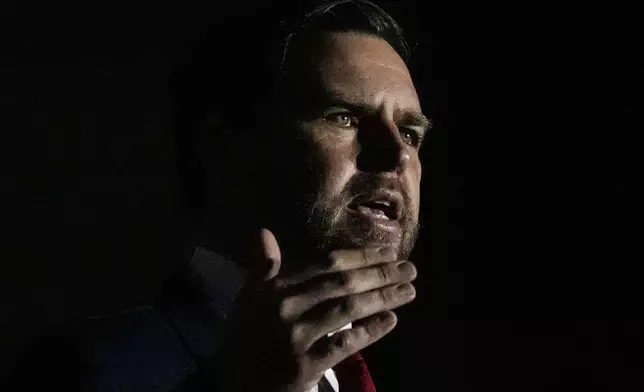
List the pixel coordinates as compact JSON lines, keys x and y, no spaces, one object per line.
{"x":338,"y":165}
{"x":414,"y":177}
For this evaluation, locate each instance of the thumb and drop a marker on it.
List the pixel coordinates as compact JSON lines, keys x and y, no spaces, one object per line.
{"x":268,"y":260}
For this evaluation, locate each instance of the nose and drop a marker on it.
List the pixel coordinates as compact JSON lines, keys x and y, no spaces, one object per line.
{"x":381,"y":149}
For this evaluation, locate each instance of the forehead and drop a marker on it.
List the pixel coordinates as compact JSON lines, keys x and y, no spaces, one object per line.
{"x":365,"y":68}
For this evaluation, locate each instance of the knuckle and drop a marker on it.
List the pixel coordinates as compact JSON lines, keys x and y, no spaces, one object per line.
{"x":366,"y":254}
{"x":334,"y":260}
{"x":349,"y":306}
{"x":387,"y":254}
{"x":343,"y":341}
{"x":372,"y":329}
{"x":385,"y":295}
{"x":296,"y":338}
{"x":285,"y":307}
{"x":375,"y":329}
{"x":383,"y":273}
{"x":346,"y":282}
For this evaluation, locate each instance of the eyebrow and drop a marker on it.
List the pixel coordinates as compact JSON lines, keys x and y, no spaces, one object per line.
{"x":413,"y":118}
{"x":405,"y":117}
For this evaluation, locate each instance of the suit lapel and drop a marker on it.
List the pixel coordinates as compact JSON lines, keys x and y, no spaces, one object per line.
{"x":196,"y":300}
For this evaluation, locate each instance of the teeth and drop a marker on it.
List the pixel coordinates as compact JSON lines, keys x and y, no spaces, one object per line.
{"x":374,"y":212}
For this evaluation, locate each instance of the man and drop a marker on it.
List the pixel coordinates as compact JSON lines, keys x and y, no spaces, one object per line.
{"x":299,"y":160}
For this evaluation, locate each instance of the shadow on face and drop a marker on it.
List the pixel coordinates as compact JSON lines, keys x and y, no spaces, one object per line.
{"x":348,"y":172}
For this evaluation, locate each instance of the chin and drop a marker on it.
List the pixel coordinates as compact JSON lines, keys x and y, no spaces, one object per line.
{"x":350,"y":230}
{"x":359,"y":236}
{"x":376,"y":238}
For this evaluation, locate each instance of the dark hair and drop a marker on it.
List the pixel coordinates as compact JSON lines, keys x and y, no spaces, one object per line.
{"x":251,"y":54}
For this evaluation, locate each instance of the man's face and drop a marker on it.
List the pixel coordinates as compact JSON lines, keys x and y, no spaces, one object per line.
{"x":355,"y":113}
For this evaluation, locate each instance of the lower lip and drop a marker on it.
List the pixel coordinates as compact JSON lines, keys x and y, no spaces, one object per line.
{"x":386,"y":224}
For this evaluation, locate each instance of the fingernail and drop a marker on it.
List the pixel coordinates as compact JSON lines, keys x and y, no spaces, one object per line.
{"x":407,"y":290}
{"x":407,"y":268}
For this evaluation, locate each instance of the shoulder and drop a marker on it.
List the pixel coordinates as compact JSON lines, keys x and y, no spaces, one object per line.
{"x":137,"y":350}
{"x":57,"y":356}
{"x":148,"y":348}
{"x":132,"y":350}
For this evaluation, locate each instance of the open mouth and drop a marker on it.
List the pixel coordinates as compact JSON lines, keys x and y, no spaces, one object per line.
{"x":382,"y":206}
{"x":376,"y":209}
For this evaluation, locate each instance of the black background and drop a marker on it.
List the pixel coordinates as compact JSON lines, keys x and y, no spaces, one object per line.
{"x":530,"y":258}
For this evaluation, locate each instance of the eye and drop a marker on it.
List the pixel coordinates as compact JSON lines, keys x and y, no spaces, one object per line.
{"x":410,"y":136}
{"x":344,"y":120}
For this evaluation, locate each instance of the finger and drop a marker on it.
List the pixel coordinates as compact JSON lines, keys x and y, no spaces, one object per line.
{"x":330,"y":351}
{"x":343,"y":260}
{"x":340,"y":284}
{"x":268,"y":258}
{"x":334,"y":314}
{"x":348,"y":259}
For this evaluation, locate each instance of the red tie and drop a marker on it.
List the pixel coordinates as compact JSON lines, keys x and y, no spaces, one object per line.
{"x":353,"y":376}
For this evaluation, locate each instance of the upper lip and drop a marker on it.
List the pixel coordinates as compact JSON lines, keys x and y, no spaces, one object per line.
{"x":392,"y":200}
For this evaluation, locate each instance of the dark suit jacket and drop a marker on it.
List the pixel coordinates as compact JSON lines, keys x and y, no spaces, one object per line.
{"x":158,"y":347}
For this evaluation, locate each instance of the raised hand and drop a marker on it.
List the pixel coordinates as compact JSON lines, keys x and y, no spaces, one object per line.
{"x":278,"y":337}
